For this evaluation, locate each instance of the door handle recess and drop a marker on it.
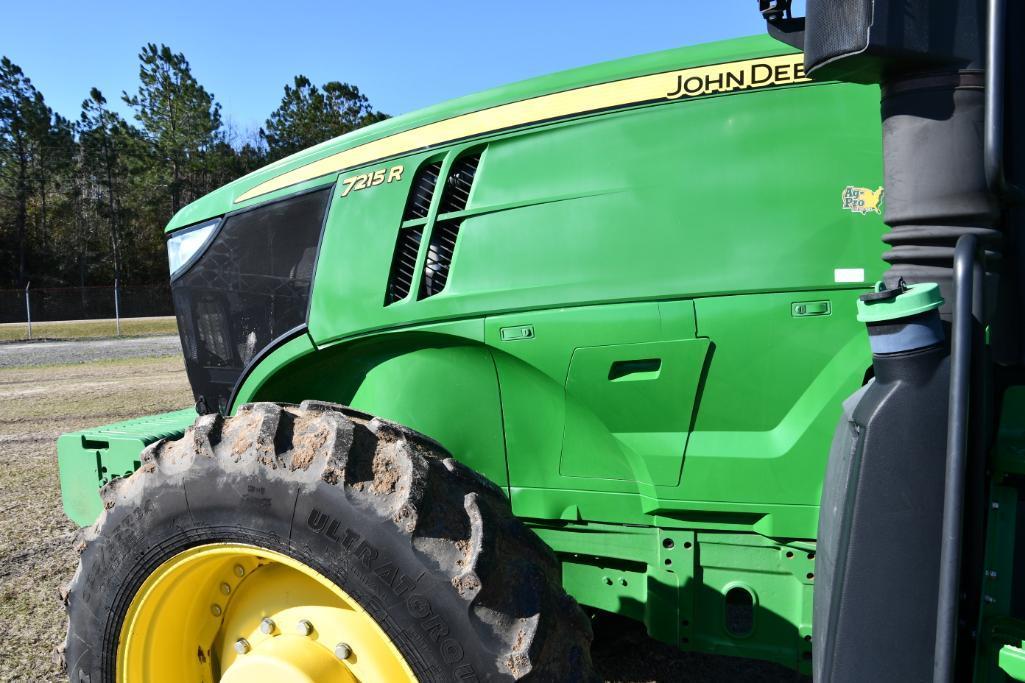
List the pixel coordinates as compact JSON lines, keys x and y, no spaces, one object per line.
{"x":635,"y":370}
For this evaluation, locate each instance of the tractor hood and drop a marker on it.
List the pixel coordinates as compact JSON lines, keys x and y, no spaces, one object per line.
{"x":436,"y":126}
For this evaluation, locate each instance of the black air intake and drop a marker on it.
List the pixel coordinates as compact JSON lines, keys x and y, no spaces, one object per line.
{"x":935,"y":183}
{"x":439,"y":257}
{"x":458,"y":184}
{"x":403,"y":264}
{"x":419,"y":202}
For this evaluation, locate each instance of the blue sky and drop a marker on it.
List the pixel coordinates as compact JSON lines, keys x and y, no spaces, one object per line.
{"x":404,"y":55}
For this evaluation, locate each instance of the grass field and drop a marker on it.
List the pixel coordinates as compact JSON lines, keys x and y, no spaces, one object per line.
{"x":36,"y":540}
{"x":81,"y":329}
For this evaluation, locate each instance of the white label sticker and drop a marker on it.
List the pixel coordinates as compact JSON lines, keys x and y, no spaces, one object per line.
{"x":848,"y":275}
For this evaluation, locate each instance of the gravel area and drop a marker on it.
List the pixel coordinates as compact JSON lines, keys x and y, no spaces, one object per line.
{"x":21,"y":354}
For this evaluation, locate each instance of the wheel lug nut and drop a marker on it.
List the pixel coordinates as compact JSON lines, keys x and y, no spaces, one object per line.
{"x":343,"y":651}
{"x":240,"y":571}
{"x":215,"y":610}
{"x":242,"y":646}
{"x":267,"y":626}
{"x":225,"y":588}
{"x":304,"y":627}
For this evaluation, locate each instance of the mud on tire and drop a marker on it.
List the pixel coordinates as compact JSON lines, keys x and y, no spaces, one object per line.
{"x":428,"y":547}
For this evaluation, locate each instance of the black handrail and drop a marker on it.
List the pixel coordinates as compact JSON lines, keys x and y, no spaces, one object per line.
{"x":994,"y":116}
{"x":967,"y":307}
{"x":993,"y":127}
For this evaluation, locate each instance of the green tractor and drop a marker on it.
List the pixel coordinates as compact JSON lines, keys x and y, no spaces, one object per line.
{"x":469,"y":377}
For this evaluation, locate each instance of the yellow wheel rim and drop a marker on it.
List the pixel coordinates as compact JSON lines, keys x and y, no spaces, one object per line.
{"x":239,"y":613}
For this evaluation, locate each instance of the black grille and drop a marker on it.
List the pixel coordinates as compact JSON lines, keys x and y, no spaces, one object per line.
{"x":458,"y":183}
{"x":249,"y":287}
{"x":439,"y":257}
{"x":403,"y":263}
{"x":419,"y":202}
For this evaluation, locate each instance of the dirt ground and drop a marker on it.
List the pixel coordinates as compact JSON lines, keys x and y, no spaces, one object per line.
{"x":41,"y":402}
{"x":36,"y":556}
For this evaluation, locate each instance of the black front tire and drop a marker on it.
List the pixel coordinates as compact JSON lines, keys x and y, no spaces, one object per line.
{"x":428,"y":547}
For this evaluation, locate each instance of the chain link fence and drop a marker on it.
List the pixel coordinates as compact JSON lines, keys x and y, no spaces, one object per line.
{"x":47,"y":304}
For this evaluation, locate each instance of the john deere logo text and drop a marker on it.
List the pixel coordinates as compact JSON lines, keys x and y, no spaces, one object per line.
{"x":723,"y":78}
{"x":861,"y":199}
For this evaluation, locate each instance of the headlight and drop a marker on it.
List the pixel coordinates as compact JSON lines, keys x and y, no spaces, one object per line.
{"x":182,"y":246}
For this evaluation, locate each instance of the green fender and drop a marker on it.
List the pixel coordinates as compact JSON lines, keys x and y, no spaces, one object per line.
{"x":438,"y":379}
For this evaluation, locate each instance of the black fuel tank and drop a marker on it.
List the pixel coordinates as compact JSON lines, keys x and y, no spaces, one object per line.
{"x":878,"y":551}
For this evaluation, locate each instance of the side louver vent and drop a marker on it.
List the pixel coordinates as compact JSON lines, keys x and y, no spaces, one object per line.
{"x":400,"y":279}
{"x":455,"y":195}
{"x":419,"y":202}
{"x":439,"y":257}
{"x":458,"y":184}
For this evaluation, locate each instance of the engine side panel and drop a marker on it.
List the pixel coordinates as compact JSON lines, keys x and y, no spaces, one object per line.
{"x":674,"y":200}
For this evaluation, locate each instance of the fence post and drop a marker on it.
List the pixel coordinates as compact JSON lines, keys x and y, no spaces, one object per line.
{"x":28,"y":309}
{"x":117,"y":305}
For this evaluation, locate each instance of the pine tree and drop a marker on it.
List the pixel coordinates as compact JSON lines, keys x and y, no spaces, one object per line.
{"x":25,"y":144}
{"x":309,"y":115}
{"x":179,"y":119}
{"x":86,"y":202}
{"x":104,"y":138}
